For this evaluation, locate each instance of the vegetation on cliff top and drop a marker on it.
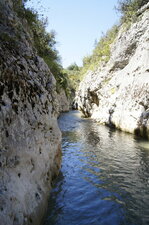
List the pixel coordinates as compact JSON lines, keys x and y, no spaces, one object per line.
{"x":101,"y":53}
{"x":129,"y":8}
{"x":73,"y":75}
{"x":44,"y":42}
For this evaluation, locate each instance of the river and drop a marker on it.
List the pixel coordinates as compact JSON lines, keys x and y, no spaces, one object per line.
{"x":104,"y":178}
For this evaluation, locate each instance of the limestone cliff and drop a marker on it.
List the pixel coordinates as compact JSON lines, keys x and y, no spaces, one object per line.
{"x":117,"y":93}
{"x":30,"y":151}
{"x":63,"y":101}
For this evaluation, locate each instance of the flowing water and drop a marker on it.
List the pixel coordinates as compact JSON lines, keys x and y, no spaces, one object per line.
{"x":104,"y":179}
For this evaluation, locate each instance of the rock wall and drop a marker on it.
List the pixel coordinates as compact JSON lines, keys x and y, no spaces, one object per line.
{"x":30,"y":140}
{"x":117,"y":94}
{"x":64,"y":102}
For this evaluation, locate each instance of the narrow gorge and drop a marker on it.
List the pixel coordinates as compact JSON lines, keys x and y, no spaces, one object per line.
{"x":115,"y":93}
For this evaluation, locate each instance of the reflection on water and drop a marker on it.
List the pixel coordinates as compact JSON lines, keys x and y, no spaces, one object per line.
{"x":104,"y":179}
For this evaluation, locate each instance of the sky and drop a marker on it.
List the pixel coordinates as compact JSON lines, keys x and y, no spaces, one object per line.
{"x":78,"y":23}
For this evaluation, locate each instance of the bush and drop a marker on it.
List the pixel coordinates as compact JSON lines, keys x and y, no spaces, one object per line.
{"x":129,"y":8}
{"x":42,"y":41}
{"x":101,"y":52}
{"x":73,"y":78}
{"x":102,"y":49}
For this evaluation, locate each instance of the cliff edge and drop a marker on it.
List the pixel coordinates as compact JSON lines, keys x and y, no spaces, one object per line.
{"x":117,"y":93}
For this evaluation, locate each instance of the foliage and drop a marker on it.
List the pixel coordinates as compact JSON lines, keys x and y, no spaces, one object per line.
{"x":44,"y":42}
{"x":73,"y":77}
{"x":102,"y":49}
{"x":129,"y":8}
{"x":73,"y":66}
{"x":101,"y":53}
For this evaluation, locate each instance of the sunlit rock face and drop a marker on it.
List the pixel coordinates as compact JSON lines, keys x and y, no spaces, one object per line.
{"x":30,"y":151}
{"x":64,"y":103}
{"x":117,"y":93}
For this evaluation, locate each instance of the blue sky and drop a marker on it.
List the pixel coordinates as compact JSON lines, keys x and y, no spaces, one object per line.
{"x":78,"y":24}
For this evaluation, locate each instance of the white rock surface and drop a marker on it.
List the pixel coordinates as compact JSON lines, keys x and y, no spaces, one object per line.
{"x":118,"y":93}
{"x":30,"y":139}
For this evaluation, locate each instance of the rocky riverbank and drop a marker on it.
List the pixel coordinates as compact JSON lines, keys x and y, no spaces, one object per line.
{"x":117,"y":93}
{"x":30,"y":139}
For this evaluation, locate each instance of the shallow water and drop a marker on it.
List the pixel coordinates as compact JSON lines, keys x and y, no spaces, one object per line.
{"x":104,"y":179}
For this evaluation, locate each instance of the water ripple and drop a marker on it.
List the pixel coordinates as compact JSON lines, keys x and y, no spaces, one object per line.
{"x":104,"y":179}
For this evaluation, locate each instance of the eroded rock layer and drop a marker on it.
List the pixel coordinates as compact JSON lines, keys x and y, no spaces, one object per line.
{"x":117,"y":93}
{"x":30,"y":151}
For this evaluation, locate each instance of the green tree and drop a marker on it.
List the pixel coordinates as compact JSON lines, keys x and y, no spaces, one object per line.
{"x":73,"y":66}
{"x":129,"y":8}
